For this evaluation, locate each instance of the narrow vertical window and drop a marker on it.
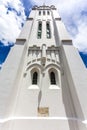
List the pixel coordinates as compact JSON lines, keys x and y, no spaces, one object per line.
{"x":48,"y":12}
{"x":39,"y":33}
{"x":35,"y":77}
{"x":39,"y":12}
{"x":43,"y":12}
{"x":52,"y":78}
{"x":48,"y":31}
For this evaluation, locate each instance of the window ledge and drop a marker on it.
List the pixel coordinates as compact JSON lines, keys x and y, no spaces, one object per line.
{"x":54,"y":87}
{"x":33,"y":87}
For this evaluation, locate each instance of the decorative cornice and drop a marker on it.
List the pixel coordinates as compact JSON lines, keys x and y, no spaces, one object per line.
{"x":57,"y":19}
{"x":29,"y":19}
{"x":20,"y":41}
{"x":66,"y":42}
{"x":44,"y":7}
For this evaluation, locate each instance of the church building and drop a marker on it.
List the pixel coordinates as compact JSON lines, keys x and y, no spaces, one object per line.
{"x":43,"y":82}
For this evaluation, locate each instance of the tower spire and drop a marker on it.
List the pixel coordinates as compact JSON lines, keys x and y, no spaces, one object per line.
{"x":44,"y":2}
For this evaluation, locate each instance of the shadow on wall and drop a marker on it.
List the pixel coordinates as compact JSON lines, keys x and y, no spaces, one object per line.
{"x":75,"y":116}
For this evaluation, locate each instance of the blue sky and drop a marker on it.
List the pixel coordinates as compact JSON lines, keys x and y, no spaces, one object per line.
{"x":13,"y":14}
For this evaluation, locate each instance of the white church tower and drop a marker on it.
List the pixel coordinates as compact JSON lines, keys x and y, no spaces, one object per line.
{"x":43,"y":83}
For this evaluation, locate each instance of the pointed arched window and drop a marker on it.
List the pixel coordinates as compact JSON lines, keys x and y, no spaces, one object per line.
{"x":48,"y":12}
{"x":39,"y":33}
{"x":35,"y":77}
{"x":39,"y":12}
{"x":48,"y":31}
{"x":52,"y":78}
{"x":43,"y":12}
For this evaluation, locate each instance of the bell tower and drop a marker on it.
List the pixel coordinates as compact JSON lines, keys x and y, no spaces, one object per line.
{"x":43,"y":81}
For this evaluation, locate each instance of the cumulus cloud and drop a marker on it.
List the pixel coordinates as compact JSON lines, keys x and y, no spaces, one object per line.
{"x":12,"y":17}
{"x":74,"y":16}
{"x":80,"y":40}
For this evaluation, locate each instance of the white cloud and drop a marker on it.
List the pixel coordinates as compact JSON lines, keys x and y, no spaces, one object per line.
{"x":11,"y":17}
{"x":80,"y":40}
{"x":74,"y":16}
